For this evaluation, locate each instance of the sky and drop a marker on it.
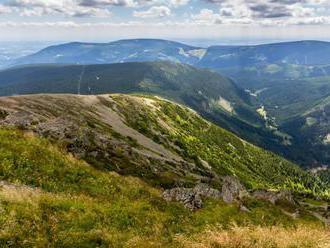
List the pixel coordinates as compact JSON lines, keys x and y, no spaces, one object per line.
{"x":225,"y":21}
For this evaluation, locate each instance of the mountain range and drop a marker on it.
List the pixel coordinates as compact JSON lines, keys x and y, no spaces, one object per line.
{"x":285,"y":81}
{"x":300,"y":52}
{"x":154,"y":143}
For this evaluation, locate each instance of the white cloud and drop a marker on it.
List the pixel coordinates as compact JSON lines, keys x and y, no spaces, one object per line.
{"x":229,"y":12}
{"x":266,"y":12}
{"x":5,"y":10}
{"x":177,"y":3}
{"x":153,"y":12}
{"x":54,"y":7}
{"x":207,"y":16}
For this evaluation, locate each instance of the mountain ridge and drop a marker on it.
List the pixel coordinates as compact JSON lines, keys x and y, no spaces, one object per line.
{"x":159,"y":136}
{"x":180,"y":52}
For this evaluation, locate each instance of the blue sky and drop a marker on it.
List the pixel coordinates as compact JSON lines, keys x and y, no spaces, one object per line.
{"x":226,"y":20}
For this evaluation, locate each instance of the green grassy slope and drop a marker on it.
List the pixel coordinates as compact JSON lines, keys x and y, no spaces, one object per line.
{"x":224,"y":152}
{"x":162,"y":142}
{"x":49,"y":198}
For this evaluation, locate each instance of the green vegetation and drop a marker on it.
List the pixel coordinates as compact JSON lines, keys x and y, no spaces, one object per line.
{"x":325,"y":176}
{"x":198,"y":140}
{"x":48,"y":198}
{"x":159,"y":141}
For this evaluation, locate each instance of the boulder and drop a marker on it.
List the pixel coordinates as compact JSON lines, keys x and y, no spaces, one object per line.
{"x":186,"y":196}
{"x":243,"y":208}
{"x":191,"y":198}
{"x":273,"y":196}
{"x":232,"y":190}
{"x":206,"y":191}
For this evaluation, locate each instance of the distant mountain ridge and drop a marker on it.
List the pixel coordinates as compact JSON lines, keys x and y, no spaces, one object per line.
{"x":115,"y":52}
{"x":299,"y":52}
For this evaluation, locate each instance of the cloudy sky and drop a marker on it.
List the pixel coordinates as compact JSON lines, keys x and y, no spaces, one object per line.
{"x":101,"y":20}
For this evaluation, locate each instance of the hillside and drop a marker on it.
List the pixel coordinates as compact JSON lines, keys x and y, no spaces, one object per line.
{"x":169,"y":79}
{"x":286,"y":90}
{"x":295,"y":98}
{"x":215,"y":57}
{"x":298,"y":52}
{"x":312,"y":130}
{"x":86,"y":171}
{"x":213,"y":96}
{"x":170,"y":143}
{"x":115,"y":52}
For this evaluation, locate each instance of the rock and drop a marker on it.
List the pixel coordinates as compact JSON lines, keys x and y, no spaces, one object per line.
{"x":273,"y":196}
{"x":206,"y":191}
{"x":243,"y":208}
{"x":186,"y":196}
{"x":191,"y":198}
{"x":232,"y":190}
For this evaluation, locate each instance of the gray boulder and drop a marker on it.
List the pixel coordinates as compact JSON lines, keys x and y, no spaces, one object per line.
{"x":191,"y":198}
{"x":206,"y":191}
{"x":232,"y":190}
{"x":273,"y":196}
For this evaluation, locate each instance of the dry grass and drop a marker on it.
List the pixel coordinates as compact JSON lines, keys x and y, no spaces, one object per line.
{"x":16,"y":193}
{"x":260,"y":237}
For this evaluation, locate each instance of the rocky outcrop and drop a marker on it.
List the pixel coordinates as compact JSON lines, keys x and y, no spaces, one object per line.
{"x":191,"y":198}
{"x":206,"y":191}
{"x":273,"y":196}
{"x":232,"y":190}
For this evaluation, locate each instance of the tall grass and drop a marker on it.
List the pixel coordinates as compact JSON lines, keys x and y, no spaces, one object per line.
{"x":260,"y":237}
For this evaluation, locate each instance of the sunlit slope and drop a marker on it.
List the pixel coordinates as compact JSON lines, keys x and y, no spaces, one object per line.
{"x":155,"y":139}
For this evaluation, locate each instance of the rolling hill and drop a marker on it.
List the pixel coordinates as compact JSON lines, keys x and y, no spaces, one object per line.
{"x":215,"y":97}
{"x":115,"y":52}
{"x":215,"y":57}
{"x":90,"y":171}
{"x":298,"y":52}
